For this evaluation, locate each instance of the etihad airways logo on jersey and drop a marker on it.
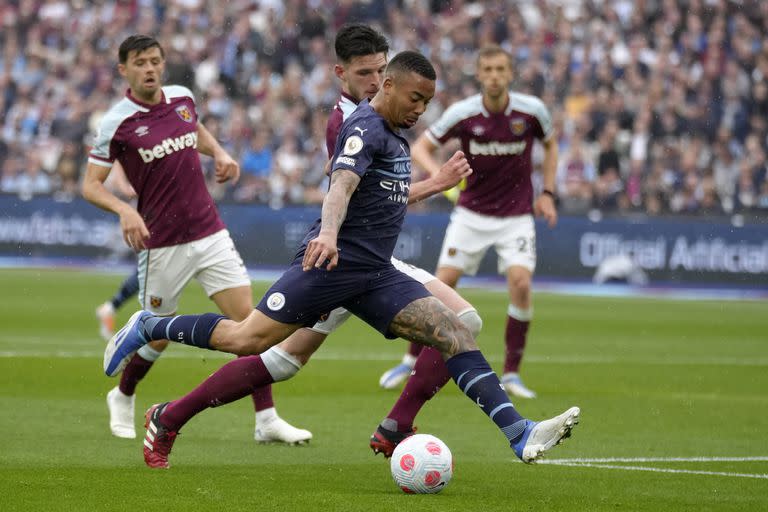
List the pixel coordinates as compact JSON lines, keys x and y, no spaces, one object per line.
{"x":495,"y":148}
{"x":399,"y":190}
{"x":168,"y":146}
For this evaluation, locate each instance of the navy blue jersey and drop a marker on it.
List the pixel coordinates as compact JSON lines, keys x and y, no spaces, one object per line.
{"x":382,"y":158}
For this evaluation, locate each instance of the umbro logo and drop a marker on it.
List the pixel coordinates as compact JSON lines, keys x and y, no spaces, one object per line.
{"x":142,"y":131}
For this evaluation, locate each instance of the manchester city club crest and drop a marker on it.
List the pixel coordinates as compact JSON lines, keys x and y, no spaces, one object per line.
{"x":276,"y":301}
{"x":184,"y":113}
{"x":518,"y":125}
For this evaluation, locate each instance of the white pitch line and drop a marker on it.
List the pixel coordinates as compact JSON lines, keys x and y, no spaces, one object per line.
{"x":759,"y":458}
{"x":660,"y":470}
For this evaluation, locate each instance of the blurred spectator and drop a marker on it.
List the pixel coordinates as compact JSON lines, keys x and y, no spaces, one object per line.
{"x":762,"y":199}
{"x":746,"y":193}
{"x":575,"y":178}
{"x":608,"y":185}
{"x":633,"y":192}
{"x":725,"y":173}
{"x":642,"y":84}
{"x":66,"y":175}
{"x":34,"y":181}
{"x":256,"y":167}
{"x":286,"y":182}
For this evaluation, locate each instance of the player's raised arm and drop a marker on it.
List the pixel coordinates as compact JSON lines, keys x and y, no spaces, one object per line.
{"x":135,"y":232}
{"x":448,"y":176}
{"x":544,"y":205}
{"x":323,"y":248}
{"x":226,"y":167}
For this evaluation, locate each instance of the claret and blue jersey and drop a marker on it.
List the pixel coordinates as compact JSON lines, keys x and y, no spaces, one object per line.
{"x":157,"y":147}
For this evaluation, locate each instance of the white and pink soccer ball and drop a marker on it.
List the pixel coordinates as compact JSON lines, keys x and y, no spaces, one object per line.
{"x":422,"y":464}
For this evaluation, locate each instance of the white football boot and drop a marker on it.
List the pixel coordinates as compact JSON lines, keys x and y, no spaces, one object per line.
{"x":271,"y":428}
{"x":121,"y":420}
{"x":540,"y":437}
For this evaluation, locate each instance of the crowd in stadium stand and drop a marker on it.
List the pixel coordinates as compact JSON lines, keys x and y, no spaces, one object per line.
{"x":660,"y":106}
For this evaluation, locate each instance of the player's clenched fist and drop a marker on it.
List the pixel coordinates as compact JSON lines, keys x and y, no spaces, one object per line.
{"x":226,"y":168}
{"x":453,"y":171}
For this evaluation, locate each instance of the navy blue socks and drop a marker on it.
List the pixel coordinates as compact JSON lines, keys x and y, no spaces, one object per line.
{"x":192,"y":330}
{"x":474,"y":376}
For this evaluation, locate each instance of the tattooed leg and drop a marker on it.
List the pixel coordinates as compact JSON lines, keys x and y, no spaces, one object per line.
{"x":429,"y":322}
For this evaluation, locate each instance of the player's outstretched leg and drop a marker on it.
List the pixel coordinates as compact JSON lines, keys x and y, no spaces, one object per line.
{"x":236,"y":379}
{"x":144,"y":327}
{"x":530,"y":440}
{"x":428,"y":321}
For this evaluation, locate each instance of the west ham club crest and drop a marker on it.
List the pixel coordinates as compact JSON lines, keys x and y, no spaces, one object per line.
{"x":184,"y":113}
{"x":518,"y":126}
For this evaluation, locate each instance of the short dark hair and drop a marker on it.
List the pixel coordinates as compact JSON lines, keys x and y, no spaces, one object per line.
{"x":410,"y":61}
{"x":357,"y":40}
{"x":137,"y":43}
{"x":493,"y":50}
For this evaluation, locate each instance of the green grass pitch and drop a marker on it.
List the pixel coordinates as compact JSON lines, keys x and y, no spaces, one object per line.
{"x":673,"y":395}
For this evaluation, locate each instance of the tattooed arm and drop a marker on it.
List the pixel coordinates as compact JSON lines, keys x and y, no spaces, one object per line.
{"x":323,"y":248}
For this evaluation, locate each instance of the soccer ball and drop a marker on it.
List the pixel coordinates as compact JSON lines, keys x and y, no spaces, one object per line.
{"x":422,"y":464}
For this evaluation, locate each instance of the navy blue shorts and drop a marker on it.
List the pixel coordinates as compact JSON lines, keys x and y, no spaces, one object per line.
{"x":375,"y":296}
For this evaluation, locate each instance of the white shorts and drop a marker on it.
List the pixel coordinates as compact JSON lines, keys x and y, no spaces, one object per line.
{"x":413,"y":272}
{"x":165,"y":271}
{"x":340,"y":315}
{"x":470,"y":235}
{"x":335,"y":318}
